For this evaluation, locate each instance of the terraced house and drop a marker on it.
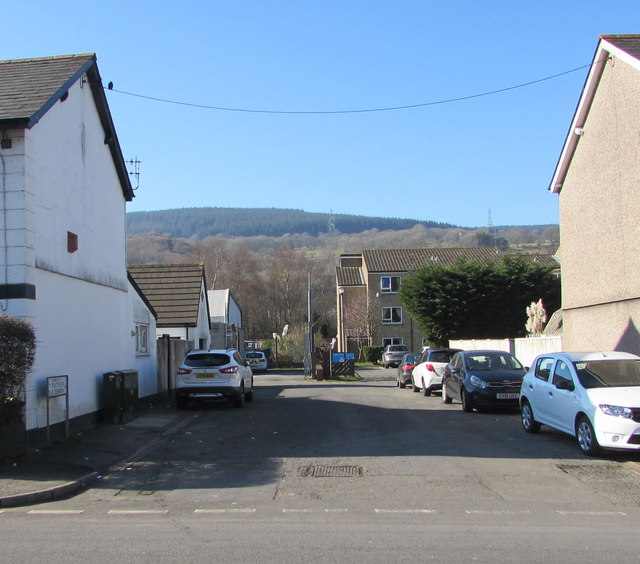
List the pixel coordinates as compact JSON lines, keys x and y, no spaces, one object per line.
{"x":367,"y":284}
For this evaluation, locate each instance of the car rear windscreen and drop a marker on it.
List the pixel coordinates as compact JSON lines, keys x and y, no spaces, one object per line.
{"x":207,"y":360}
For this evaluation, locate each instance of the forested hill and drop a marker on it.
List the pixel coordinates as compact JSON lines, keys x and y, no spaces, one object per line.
{"x":250,"y":222}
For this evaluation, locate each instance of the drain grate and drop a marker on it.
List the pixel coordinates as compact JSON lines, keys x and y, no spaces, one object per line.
{"x":345,"y":471}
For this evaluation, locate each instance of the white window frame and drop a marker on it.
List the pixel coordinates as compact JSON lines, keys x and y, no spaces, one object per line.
{"x":142,"y":339}
{"x":392,"y":309}
{"x":392,"y":341}
{"x":388,"y":288}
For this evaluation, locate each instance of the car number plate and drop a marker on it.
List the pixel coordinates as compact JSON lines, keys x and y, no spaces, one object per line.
{"x":507,"y":396}
{"x":205,"y":376}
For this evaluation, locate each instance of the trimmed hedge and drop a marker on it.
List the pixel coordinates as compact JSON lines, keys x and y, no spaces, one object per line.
{"x":17,"y":354}
{"x":373,"y":354}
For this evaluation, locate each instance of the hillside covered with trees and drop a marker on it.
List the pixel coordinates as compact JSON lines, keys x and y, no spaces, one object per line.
{"x":251,"y":222}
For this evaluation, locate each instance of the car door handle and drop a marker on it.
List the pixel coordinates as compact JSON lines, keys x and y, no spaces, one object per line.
{"x":550,"y":394}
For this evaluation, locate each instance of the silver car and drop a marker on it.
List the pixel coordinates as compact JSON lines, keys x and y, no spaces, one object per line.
{"x":393,"y":354}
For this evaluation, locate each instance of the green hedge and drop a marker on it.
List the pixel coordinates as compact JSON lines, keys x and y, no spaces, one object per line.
{"x":373,"y":354}
{"x":17,"y":354}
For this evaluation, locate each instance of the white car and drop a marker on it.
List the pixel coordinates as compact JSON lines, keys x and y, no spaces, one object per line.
{"x":256,"y":360}
{"x":219,"y":373}
{"x":594,"y":397}
{"x":427,"y":375}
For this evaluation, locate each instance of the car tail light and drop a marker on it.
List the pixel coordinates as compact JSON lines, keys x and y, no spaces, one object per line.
{"x":229,"y":370}
{"x":431,"y":368}
{"x":184,"y":371}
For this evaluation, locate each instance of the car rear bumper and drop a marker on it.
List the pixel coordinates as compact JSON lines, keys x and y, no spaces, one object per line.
{"x":207,"y":391}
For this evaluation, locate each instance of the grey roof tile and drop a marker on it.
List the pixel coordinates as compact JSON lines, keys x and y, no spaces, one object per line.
{"x":405,"y":260}
{"x":29,"y":85}
{"x":172,"y":289}
{"x":627,"y":43}
{"x":349,"y":276}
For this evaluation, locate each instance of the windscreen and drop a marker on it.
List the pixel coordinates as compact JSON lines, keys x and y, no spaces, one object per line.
{"x":207,"y":360}
{"x":441,"y":356}
{"x":253,"y":355}
{"x":608,"y":373}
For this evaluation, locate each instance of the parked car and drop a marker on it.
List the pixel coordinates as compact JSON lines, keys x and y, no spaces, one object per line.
{"x":214,"y":374}
{"x":427,"y":375}
{"x":256,"y":360}
{"x":392,"y":355}
{"x":405,"y":368}
{"x":483,"y":379}
{"x":595,"y":397}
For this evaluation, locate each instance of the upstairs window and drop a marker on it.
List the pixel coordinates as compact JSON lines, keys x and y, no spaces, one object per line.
{"x":392,"y":315}
{"x":389,"y":284}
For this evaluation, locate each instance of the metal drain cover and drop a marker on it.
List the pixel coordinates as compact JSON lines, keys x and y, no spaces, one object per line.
{"x":345,"y":471}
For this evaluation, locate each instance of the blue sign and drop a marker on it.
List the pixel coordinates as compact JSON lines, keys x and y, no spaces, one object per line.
{"x":341,"y":357}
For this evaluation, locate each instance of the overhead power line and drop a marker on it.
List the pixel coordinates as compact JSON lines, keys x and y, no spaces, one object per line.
{"x":360,"y":111}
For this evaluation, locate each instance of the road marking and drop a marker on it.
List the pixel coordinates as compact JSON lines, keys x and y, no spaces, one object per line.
{"x":590,"y":512}
{"x":138,"y":512}
{"x":285,"y":510}
{"x":496,"y":512}
{"x":344,"y":510}
{"x":405,"y":510}
{"x":219,"y":511}
{"x":56,"y":511}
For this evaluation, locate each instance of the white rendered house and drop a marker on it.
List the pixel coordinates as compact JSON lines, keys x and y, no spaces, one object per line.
{"x":64,"y":189}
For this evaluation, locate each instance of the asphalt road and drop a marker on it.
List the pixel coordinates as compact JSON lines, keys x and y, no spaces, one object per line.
{"x":356,"y":472}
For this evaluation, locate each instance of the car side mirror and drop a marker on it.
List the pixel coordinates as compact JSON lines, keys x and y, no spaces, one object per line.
{"x":565,"y":385}
{"x":455,"y":370}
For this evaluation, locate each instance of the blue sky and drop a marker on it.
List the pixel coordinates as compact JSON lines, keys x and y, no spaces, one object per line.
{"x":459,"y":162}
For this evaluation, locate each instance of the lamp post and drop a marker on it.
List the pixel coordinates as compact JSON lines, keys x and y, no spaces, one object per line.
{"x":341,"y":340}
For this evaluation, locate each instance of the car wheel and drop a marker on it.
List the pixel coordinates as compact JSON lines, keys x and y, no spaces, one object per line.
{"x":586,"y":437}
{"x":445,"y":397}
{"x":529,"y":424}
{"x":249,"y":395}
{"x":414,"y":387}
{"x":402,"y":384}
{"x":465,"y":401}
{"x":239,"y":401}
{"x":425,"y":391}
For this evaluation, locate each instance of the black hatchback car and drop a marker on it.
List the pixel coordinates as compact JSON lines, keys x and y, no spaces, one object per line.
{"x":483,"y":379}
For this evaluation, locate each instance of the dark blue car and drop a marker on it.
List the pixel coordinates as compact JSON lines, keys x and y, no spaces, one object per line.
{"x":481,"y":379}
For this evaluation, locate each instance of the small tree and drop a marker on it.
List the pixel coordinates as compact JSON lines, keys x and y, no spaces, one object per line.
{"x":17,"y":354}
{"x":360,"y":321}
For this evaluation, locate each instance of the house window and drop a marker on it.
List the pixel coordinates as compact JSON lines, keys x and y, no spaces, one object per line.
{"x":72,"y":242}
{"x":142,"y":339}
{"x":392,"y":315}
{"x":392,"y":341}
{"x":389,"y":284}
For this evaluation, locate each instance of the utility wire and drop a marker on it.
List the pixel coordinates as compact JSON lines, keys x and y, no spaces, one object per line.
{"x":388,"y":109}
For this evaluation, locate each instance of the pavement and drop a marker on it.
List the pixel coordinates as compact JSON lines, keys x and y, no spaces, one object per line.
{"x":67,"y":467}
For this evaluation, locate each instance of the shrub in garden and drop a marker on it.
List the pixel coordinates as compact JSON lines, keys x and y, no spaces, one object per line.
{"x":17,"y":354}
{"x":373,"y":354}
